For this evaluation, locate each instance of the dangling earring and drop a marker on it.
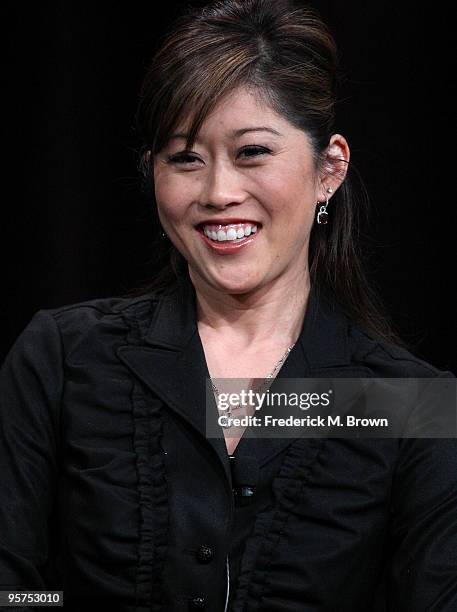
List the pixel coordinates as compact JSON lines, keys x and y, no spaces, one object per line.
{"x":322,"y":215}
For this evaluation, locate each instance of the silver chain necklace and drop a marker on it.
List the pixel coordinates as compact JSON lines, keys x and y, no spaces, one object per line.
{"x":228,"y":412}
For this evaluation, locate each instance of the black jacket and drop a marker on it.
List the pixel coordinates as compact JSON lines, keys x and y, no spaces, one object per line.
{"x":111,"y":492}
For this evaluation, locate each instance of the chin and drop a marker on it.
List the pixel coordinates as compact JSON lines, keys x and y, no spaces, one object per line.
{"x":236,"y":280}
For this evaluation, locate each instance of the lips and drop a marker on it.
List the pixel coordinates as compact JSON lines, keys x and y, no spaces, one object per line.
{"x":229,"y":247}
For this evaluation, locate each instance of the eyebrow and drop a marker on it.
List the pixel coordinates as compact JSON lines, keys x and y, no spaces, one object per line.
{"x":236,"y":133}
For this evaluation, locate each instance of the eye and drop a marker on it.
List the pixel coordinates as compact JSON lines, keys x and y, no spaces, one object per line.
{"x":257,"y":150}
{"x":180,"y":158}
{"x":185,"y":158}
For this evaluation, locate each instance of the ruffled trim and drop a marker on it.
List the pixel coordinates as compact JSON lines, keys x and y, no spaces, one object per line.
{"x":271,"y":522}
{"x":152,"y":486}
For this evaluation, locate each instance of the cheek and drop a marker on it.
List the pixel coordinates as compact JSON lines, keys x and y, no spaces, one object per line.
{"x":292,"y":217}
{"x":293,"y":206}
{"x":173,"y":194}
{"x":170,"y":205}
{"x":290,"y":188}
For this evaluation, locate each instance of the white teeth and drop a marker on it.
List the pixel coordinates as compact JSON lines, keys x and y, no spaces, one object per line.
{"x":231,"y":234}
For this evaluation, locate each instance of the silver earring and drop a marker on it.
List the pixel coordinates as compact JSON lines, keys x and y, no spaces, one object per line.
{"x":322,"y":215}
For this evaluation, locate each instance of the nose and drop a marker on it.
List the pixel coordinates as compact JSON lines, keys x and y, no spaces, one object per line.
{"x":222,"y":187}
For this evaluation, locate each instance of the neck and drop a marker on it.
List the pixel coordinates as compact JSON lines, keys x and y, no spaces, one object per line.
{"x":272,"y":314}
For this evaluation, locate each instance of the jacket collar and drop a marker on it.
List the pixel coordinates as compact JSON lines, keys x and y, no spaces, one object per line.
{"x":323,"y":338}
{"x":169,"y":359}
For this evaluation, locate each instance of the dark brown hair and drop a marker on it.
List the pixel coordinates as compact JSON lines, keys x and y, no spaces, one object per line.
{"x":282,"y":50}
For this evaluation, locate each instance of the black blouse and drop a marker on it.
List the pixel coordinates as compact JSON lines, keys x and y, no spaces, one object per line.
{"x":111,"y":491}
{"x":249,"y":507}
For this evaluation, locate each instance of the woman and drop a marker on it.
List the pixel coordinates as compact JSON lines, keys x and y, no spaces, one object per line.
{"x":111,"y":490}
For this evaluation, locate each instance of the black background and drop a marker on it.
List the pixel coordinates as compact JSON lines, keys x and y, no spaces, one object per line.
{"x":75,"y":225}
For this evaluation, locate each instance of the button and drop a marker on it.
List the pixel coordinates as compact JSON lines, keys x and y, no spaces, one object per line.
{"x":204,"y":554}
{"x":197,"y":603}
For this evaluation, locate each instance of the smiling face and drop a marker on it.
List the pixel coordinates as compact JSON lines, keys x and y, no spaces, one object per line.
{"x":260,"y":178}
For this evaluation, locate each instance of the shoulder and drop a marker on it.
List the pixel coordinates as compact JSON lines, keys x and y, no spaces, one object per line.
{"x":87,"y":323}
{"x":95,"y":309}
{"x":388,"y":360}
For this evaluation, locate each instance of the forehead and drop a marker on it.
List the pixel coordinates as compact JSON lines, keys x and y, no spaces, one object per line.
{"x":238,"y":113}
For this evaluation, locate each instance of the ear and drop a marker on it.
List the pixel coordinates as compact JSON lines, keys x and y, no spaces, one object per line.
{"x":335,"y":166}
